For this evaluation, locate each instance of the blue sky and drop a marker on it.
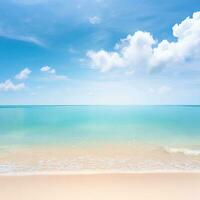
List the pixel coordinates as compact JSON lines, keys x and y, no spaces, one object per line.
{"x":99,"y":52}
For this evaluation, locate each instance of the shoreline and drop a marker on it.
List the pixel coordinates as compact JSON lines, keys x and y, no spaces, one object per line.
{"x":88,"y":173}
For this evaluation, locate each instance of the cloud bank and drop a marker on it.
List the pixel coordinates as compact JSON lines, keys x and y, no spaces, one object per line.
{"x":142,"y":50}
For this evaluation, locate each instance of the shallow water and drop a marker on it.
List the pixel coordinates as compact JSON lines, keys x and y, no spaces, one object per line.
{"x":81,"y":138}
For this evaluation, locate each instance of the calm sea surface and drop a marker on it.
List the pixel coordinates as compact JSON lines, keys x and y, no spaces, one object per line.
{"x":75,"y":138}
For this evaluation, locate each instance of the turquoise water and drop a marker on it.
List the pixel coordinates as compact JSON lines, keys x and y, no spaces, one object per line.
{"x":174,"y":127}
{"x":57,"y":125}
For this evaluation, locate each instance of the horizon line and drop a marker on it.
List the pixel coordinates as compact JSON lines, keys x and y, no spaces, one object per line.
{"x":12,"y":105}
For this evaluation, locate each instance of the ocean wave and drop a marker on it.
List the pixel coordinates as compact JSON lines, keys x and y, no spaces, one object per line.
{"x":185,"y":151}
{"x":103,"y":165}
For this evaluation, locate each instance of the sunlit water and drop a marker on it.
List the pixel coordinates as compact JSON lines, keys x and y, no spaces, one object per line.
{"x":36,"y":139}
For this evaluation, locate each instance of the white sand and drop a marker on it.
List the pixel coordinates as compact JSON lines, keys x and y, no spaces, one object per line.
{"x":146,"y":186}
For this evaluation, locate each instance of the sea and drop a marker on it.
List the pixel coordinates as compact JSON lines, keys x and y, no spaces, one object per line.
{"x":99,"y":139}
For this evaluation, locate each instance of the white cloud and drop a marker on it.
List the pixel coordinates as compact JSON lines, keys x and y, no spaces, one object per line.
{"x":10,"y":34}
{"x":30,"y":39}
{"x":52,"y":72}
{"x":24,"y":74}
{"x":45,"y":69}
{"x":94,"y":20}
{"x":48,"y":69}
{"x":142,"y":50}
{"x":8,"y":85}
{"x":105,"y":61}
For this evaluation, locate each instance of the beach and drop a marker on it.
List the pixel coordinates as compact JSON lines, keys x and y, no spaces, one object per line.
{"x":99,"y":153}
{"x":99,"y":100}
{"x":99,"y":138}
{"x":140,"y":186}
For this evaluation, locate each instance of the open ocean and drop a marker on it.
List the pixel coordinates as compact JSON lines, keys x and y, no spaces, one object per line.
{"x":41,"y":139}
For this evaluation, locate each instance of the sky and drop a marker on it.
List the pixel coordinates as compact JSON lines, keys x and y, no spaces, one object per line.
{"x":99,"y":52}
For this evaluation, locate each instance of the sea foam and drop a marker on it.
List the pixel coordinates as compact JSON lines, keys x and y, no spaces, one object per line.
{"x":185,"y":151}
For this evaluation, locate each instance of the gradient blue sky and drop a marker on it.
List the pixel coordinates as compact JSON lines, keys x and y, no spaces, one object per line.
{"x":66,"y":52}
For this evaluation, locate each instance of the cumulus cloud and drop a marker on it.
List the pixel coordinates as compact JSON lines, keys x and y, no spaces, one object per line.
{"x":104,"y":61}
{"x":48,"y":69}
{"x":142,"y":50}
{"x":52,"y":72}
{"x":8,"y":85}
{"x":94,"y":20}
{"x":24,"y":74}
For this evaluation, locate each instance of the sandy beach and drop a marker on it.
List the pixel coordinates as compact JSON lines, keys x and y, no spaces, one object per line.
{"x":146,"y":186}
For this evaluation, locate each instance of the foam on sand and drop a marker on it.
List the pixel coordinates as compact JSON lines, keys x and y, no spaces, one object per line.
{"x":185,"y":151}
